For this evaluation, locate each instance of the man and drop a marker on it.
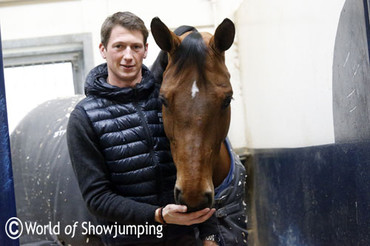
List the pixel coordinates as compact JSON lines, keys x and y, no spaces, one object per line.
{"x":118,"y":147}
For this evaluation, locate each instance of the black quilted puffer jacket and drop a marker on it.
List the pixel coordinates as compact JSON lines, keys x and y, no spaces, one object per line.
{"x":120,"y":154}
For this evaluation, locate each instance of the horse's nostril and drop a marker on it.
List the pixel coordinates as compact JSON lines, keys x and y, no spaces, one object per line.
{"x":209,"y":199}
{"x":177,"y":195}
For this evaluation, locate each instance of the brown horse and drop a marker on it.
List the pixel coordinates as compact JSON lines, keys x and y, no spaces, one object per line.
{"x":196,"y":94}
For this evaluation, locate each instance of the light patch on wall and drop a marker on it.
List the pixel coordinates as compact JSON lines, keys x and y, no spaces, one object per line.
{"x":29,"y":86}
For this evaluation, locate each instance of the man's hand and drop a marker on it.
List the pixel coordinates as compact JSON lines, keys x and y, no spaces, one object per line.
{"x":176,"y":214}
{"x":209,"y":243}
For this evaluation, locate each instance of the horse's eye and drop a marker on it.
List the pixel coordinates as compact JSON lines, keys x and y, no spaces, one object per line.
{"x":227,"y":102}
{"x":163,"y":100}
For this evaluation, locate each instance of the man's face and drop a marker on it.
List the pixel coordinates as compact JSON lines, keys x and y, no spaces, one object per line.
{"x":124,"y":54}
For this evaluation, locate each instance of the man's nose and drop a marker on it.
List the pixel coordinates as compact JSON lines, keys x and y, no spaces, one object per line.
{"x":127,"y":54}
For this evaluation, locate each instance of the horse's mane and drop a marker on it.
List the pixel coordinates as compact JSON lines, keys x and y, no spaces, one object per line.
{"x":161,"y":62}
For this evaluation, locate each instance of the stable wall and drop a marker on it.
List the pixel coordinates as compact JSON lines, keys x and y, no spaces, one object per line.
{"x":286,"y":61}
{"x":307,"y":105}
{"x":37,"y":19}
{"x":52,"y":18}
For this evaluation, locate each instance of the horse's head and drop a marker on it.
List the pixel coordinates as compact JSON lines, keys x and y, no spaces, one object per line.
{"x":196,"y":94}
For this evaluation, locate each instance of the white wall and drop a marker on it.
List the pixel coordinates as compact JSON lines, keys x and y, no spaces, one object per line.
{"x":281,"y":60}
{"x":42,"y":19}
{"x":287,"y":49}
{"x":86,"y":16}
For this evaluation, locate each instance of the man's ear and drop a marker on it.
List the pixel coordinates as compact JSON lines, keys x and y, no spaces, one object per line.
{"x":146,"y":50}
{"x":102,"y":51}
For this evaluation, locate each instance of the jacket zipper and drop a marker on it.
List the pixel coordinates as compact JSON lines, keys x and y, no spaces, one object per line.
{"x":148,"y":134}
{"x":149,"y":138}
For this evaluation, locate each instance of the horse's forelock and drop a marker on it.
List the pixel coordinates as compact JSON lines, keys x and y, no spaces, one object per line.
{"x":192,"y":51}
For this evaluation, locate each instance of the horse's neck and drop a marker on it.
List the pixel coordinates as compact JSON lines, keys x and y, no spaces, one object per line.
{"x":222,"y":166}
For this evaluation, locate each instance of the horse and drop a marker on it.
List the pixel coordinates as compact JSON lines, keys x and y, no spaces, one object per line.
{"x":196,"y":94}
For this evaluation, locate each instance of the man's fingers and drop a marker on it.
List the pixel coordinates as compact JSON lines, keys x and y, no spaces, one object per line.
{"x":203,"y":217}
{"x":176,"y":214}
{"x":196,"y":217}
{"x":199,"y":214}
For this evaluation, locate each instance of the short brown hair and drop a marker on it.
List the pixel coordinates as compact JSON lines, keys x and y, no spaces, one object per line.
{"x":125,"y":19}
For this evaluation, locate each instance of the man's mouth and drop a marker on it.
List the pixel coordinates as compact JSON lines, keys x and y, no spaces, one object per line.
{"x":128,"y":66}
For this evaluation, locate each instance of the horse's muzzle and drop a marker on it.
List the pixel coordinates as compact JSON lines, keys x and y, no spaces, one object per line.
{"x":202,"y":201}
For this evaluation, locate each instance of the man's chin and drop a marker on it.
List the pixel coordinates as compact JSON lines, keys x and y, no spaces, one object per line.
{"x":130,"y":79}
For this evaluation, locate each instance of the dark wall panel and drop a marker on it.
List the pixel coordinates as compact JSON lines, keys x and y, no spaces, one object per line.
{"x":313,"y":196}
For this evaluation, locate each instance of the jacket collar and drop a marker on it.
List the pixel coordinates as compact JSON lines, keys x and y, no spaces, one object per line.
{"x":96,"y":84}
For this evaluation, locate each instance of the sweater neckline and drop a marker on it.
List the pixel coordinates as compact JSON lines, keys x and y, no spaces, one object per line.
{"x":96,"y":84}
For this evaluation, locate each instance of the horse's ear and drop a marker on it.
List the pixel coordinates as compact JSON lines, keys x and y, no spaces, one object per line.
{"x":224,"y":35}
{"x":165,"y":39}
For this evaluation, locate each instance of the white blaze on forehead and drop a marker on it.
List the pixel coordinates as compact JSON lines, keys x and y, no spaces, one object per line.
{"x":194,"y":89}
